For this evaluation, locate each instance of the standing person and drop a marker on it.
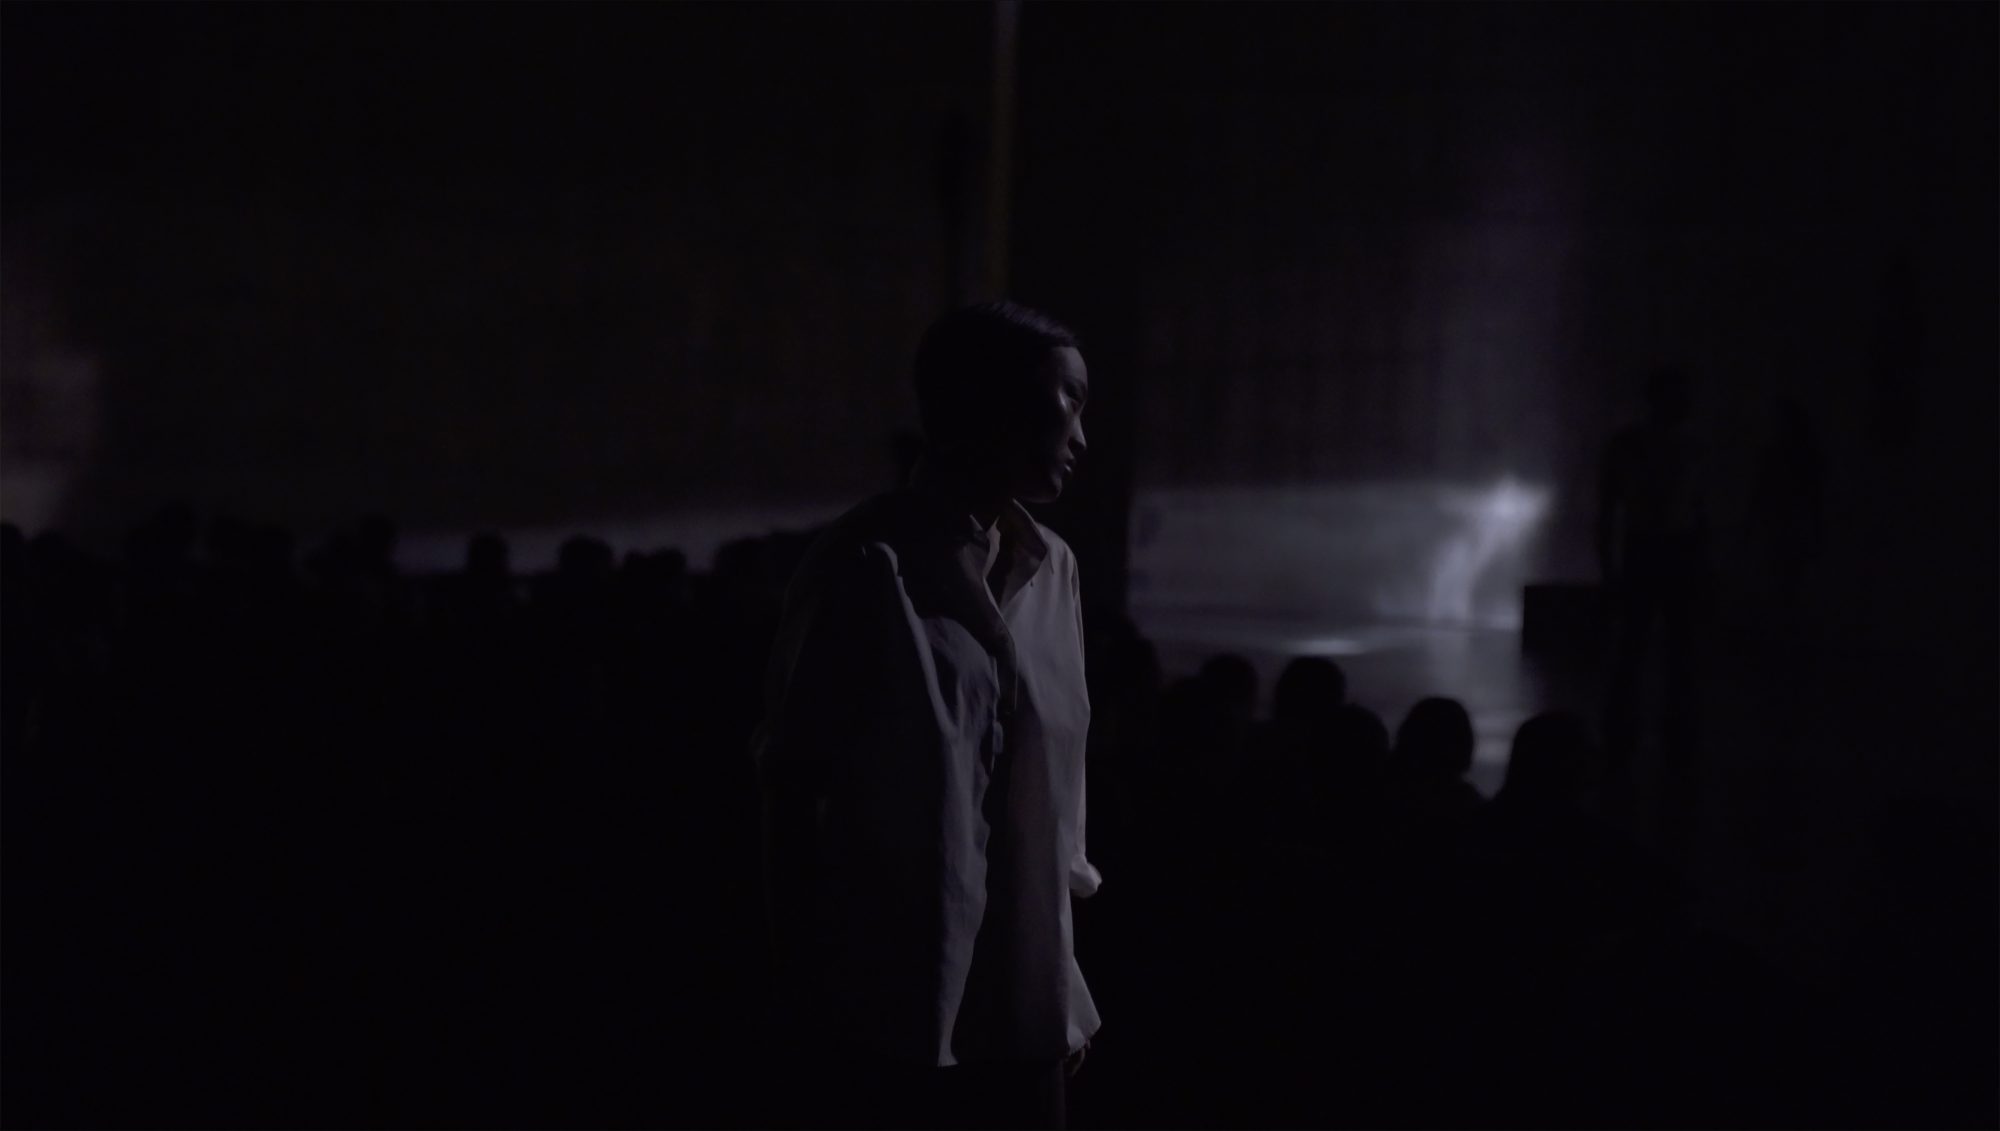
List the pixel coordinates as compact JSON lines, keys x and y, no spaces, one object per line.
{"x":1652,"y":545}
{"x":922,"y":759}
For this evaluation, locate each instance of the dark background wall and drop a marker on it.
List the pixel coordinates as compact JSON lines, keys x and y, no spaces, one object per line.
{"x":518,"y":267}
{"x":480,"y":268}
{"x":1444,"y":244}
{"x":657,"y":271}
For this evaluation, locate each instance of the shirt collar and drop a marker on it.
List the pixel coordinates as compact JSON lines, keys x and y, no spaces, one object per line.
{"x":1020,"y":535}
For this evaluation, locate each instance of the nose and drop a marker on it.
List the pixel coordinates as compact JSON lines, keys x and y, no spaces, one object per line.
{"x":1077,"y":444}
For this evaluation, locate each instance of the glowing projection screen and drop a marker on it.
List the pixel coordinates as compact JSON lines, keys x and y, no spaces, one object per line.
{"x":1410,"y":553}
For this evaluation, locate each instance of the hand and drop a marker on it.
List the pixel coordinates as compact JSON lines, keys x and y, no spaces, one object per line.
{"x":1074,"y":1061}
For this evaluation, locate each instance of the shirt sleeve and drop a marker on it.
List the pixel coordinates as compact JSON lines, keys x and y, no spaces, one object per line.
{"x":1084,"y":878}
{"x":818,"y":694}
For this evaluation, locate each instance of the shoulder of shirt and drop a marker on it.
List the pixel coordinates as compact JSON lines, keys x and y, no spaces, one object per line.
{"x":888,"y":520}
{"x":893,"y":520}
{"x":872,"y":520}
{"x":1060,"y":554}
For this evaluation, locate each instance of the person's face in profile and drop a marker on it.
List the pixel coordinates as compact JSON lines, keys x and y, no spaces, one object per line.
{"x":1045,"y":438}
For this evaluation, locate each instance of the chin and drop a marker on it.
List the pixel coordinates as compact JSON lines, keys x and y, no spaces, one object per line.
{"x":1042,"y":492}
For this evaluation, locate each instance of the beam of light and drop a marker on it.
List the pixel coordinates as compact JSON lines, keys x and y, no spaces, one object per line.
{"x":1412,"y":553}
{"x":1499,"y":523}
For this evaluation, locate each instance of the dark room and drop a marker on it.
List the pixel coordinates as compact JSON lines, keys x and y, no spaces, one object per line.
{"x":1441,"y":563}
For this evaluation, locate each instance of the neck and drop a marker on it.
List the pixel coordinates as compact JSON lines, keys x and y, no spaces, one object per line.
{"x":976,"y":493}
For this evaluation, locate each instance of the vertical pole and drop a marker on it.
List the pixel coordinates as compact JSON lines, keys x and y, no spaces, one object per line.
{"x":1000,"y":144}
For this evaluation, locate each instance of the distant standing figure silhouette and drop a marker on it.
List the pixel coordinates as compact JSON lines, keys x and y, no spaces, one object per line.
{"x":1652,"y":544}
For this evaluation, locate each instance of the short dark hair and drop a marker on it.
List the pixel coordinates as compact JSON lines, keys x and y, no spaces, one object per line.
{"x":1310,"y":687}
{"x":1436,"y":739}
{"x":970,"y":357}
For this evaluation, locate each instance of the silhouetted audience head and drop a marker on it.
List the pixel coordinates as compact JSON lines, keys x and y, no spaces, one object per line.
{"x":375,"y":539}
{"x":742,"y":563}
{"x":1351,"y":754}
{"x":1000,"y":389}
{"x":1359,"y":741}
{"x":167,"y":538}
{"x":1197,"y":726}
{"x":1233,"y":682}
{"x":487,"y":556}
{"x":270,"y":549}
{"x":229,"y":540}
{"x":332,"y":559}
{"x":1436,"y":741}
{"x":1551,"y":760}
{"x":1311,"y":688}
{"x":583,"y":558}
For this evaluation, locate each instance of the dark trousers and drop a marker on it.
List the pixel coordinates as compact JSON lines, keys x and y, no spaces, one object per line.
{"x":1019,"y":1094}
{"x":1658,"y":608}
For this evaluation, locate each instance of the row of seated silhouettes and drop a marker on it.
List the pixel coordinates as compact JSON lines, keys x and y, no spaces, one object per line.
{"x":233,"y":595}
{"x":450,"y":813}
{"x":1314,"y":915}
{"x":171,"y":560}
{"x":1317,"y":889}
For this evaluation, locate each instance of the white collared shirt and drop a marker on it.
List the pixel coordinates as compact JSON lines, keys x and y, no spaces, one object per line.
{"x":940,"y":734}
